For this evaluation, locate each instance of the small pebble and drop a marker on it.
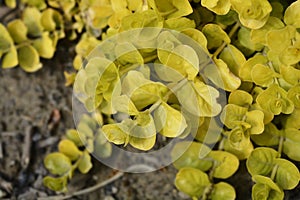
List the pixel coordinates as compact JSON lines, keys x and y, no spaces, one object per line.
{"x":114,"y":190}
{"x":108,"y":198}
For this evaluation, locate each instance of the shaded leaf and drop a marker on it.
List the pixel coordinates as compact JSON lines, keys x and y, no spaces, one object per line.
{"x":85,"y":163}
{"x":186,"y":154}
{"x":56,"y":184}
{"x":29,"y":58}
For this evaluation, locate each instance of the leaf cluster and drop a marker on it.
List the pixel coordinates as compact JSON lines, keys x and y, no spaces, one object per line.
{"x":74,"y":153}
{"x":250,"y":49}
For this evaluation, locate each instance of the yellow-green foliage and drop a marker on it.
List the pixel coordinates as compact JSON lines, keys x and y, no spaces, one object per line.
{"x":70,"y":157}
{"x":255,"y":45}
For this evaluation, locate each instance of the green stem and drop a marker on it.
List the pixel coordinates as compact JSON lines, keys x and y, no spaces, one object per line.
{"x":273,"y":69}
{"x":150,"y":58}
{"x":280,"y":146}
{"x":221,"y":143}
{"x":230,"y":34}
{"x":207,"y":191}
{"x":274,"y":172}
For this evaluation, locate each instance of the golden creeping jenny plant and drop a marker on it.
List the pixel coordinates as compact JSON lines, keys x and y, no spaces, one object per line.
{"x":251,"y":50}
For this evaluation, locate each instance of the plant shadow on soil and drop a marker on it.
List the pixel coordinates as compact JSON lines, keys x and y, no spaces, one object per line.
{"x":39,"y":105}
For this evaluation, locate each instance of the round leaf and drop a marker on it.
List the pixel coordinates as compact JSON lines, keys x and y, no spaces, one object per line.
{"x":226,"y":164}
{"x":287,"y":176}
{"x":191,"y":181}
{"x":292,"y":14}
{"x":222,"y":76}
{"x":261,"y":191}
{"x":261,"y":161}
{"x":267,"y":181}
{"x":68,"y":148}
{"x":223,"y":191}
{"x":29,"y":59}
{"x":168,"y":121}
{"x":291,"y":144}
{"x":58,"y":163}
{"x":240,"y":98}
{"x":17,"y":30}
{"x":85,"y":163}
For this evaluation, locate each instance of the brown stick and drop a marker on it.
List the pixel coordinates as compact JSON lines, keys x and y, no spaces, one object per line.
{"x":85,"y":191}
{"x":26,"y":148}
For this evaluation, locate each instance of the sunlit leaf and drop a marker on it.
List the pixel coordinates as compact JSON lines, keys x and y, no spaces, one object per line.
{"x":199,"y":99}
{"x":252,"y":14}
{"x":263,"y":75}
{"x":246,"y":68}
{"x":294,"y":95}
{"x":51,"y":20}
{"x":69,"y":148}
{"x":226,"y":164}
{"x":10,"y":3}
{"x":240,"y":98}
{"x":10,"y":59}
{"x":261,"y":161}
{"x":287,"y":176}
{"x":242,"y":153}
{"x":274,"y":99}
{"x":58,"y":163}
{"x":142,"y":91}
{"x":222,"y":76}
{"x":256,"y":119}
{"x":234,"y":58}
{"x":220,"y":7}
{"x":232,"y":115}
{"x":127,"y":53}
{"x":215,"y":35}
{"x":183,"y":59}
{"x":292,"y":14}
{"x":170,"y":8}
{"x":291,"y":144}
{"x":17,"y":30}
{"x":125,"y":105}
{"x":198,"y":36}
{"x":279,"y":40}
{"x":259,"y":35}
{"x":263,"y":191}
{"x":223,"y":191}
{"x":191,"y":181}
{"x":168,"y":121}
{"x":267,"y":181}
{"x":179,"y":24}
{"x":32,"y":19}
{"x":44,"y":46}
